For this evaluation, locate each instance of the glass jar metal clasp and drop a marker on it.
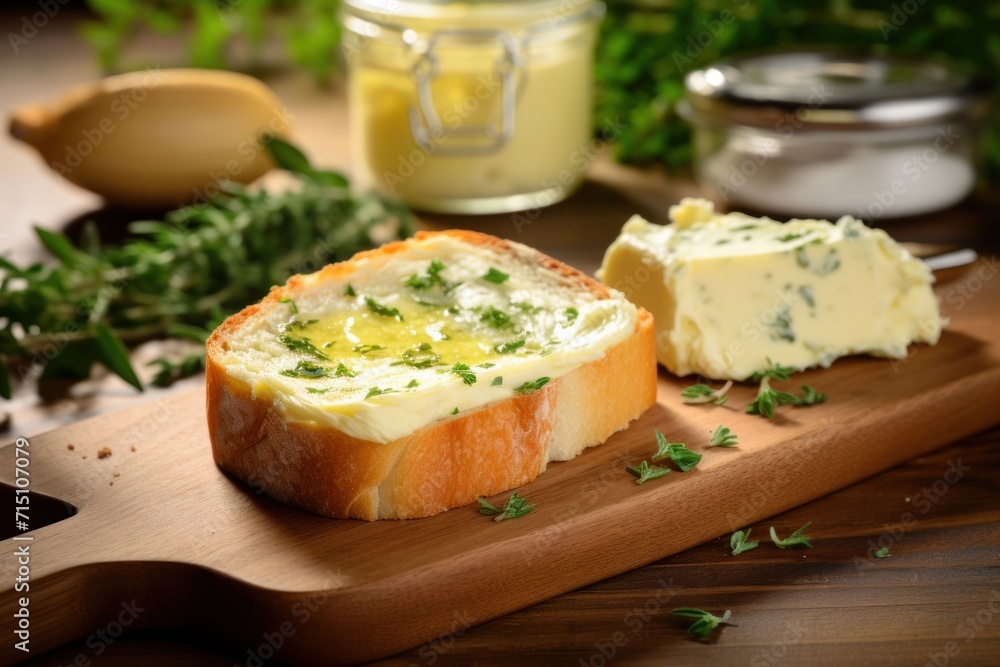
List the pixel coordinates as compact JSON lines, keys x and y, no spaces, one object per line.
{"x":425,"y":122}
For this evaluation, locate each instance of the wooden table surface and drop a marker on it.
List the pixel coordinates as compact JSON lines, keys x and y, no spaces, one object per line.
{"x":935,"y":600}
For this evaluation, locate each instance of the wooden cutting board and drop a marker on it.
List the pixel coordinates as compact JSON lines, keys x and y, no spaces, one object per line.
{"x":161,"y":537}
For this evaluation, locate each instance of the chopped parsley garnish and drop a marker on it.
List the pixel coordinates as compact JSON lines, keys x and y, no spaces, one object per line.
{"x":645,"y":472}
{"x":796,"y":539}
{"x":514,"y":508}
{"x":344,"y":372}
{"x":572,"y":314}
{"x":882,"y":553}
{"x":485,"y":364}
{"x":413,"y":383}
{"x":431,"y":278}
{"x":419,"y":356}
{"x":307,"y":369}
{"x":291,"y":304}
{"x":365,"y":348}
{"x":384,"y":311}
{"x":526,"y":307}
{"x":464,"y":371}
{"x":455,"y":411}
{"x":495,"y":276}
{"x":315,"y":390}
{"x":509,"y":348}
{"x":497,"y":381}
{"x":738,"y":542}
{"x":534,"y":385}
{"x":349,"y":290}
{"x":375,"y":391}
{"x":496,"y":318}
{"x":303,"y":345}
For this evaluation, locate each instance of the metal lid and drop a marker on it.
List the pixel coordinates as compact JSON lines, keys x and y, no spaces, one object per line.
{"x":833,"y":91}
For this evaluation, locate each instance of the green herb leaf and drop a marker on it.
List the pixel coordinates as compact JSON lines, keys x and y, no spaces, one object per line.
{"x":173,"y":370}
{"x":702,"y":393}
{"x":645,"y":472}
{"x":375,"y":391}
{"x":464,"y":371}
{"x":291,"y":304}
{"x":882,"y":553}
{"x":496,"y":318}
{"x":344,"y":372}
{"x":419,"y":356}
{"x":431,"y":278}
{"x":455,"y":411}
{"x":384,"y":311}
{"x":738,"y":542}
{"x":514,"y":508}
{"x":112,"y":353}
{"x":677,"y":452}
{"x":509,"y":348}
{"x":308,"y":369}
{"x":723,"y":438}
{"x":572,"y":314}
{"x":795,"y":540}
{"x":778,"y":372}
{"x":366,"y":348}
{"x":287,"y":156}
{"x":349,"y":290}
{"x":303,"y":345}
{"x":534,"y":385}
{"x":704,"y":622}
{"x":497,"y":381}
{"x":495,"y":276}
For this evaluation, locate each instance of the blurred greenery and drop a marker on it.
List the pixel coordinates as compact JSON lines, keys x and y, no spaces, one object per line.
{"x":646,"y":46}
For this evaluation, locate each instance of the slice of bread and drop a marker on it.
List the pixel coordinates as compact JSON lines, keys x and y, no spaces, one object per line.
{"x":414,"y":378}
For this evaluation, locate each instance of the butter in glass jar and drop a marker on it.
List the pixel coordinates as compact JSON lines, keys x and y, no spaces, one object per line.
{"x":470,"y":107}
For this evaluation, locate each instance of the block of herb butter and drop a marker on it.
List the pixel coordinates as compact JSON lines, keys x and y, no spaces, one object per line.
{"x":416,"y":377}
{"x":732,"y":294}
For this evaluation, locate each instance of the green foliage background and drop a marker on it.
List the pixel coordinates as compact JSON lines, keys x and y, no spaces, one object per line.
{"x":646,"y":46}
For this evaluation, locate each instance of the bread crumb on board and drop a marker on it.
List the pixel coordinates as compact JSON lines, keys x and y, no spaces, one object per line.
{"x":133,"y":448}
{"x":103,"y":452}
{"x":117,"y":474}
{"x":70,"y":447}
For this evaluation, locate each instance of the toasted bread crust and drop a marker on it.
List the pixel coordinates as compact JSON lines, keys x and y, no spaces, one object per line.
{"x":445,"y":464}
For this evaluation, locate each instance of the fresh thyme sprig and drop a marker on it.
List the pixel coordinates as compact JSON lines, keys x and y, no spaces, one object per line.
{"x":704,"y":622}
{"x":768,"y":398}
{"x":514,"y":508}
{"x":723,"y":437}
{"x":796,"y":540}
{"x":677,"y":452}
{"x":738,"y":542}
{"x":702,"y":393}
{"x":192,"y":269}
{"x":645,"y":472}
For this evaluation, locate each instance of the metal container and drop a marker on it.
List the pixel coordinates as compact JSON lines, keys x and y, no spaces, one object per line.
{"x":471,"y":107}
{"x":827,"y":134}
